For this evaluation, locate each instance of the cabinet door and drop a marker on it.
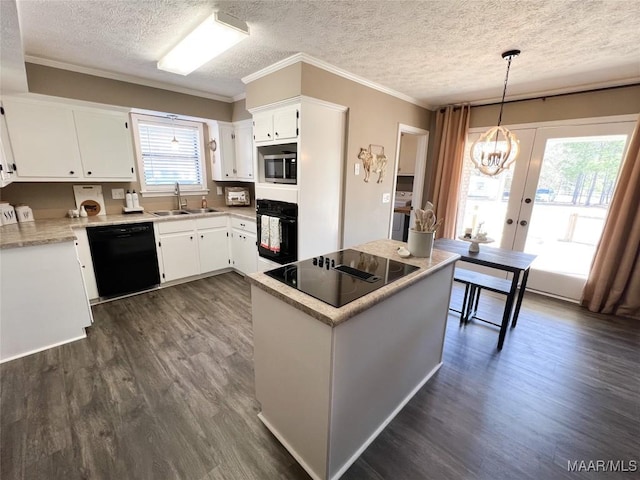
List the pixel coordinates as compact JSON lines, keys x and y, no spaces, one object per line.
{"x":179,"y":256}
{"x":86,"y":263}
{"x":213,"y":245}
{"x":243,"y":251}
{"x":105,"y":144}
{"x":285,"y":123}
{"x":7,"y":173}
{"x":249,"y":253}
{"x":263,"y":127}
{"x":244,"y":150}
{"x":227,"y":150}
{"x":43,"y":139}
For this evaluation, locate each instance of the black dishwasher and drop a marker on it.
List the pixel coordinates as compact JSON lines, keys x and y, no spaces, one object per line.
{"x":124,"y":258}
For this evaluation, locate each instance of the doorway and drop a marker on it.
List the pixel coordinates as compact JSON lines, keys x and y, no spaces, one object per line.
{"x":410,"y":166}
{"x":553,"y":204}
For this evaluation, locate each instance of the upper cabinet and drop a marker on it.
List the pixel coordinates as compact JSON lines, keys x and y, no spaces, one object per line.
{"x":274,"y":126}
{"x":60,"y":142}
{"x":7,"y":164}
{"x":233,"y":158}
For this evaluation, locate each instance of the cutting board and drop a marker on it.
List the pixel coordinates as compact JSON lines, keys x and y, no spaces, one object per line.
{"x":90,"y":196}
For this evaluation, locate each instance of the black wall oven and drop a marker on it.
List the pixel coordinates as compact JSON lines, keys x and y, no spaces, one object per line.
{"x":285,"y":249}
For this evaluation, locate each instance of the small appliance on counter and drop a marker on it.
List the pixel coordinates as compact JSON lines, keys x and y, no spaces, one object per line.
{"x":236,"y":197}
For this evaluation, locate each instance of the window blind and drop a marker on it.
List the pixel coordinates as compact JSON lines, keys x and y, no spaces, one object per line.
{"x":166,"y":162}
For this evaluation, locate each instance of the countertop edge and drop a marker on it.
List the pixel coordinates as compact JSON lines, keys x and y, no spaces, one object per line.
{"x":336,"y":316}
{"x":63,"y":228}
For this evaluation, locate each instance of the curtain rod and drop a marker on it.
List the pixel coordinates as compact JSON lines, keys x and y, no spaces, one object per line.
{"x":544,"y":97}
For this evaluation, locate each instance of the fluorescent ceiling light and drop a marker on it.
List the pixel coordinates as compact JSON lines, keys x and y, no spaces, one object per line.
{"x":216,"y":34}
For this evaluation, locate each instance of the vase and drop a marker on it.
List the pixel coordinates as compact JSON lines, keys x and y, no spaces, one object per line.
{"x":420,"y":244}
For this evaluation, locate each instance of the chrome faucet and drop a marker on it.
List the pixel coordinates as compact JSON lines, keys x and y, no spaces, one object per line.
{"x":181,"y":204}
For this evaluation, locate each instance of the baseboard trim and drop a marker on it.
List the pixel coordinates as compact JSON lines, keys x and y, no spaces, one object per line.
{"x":38,"y":350}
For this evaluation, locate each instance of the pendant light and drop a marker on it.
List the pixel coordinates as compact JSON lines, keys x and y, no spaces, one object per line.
{"x":175,"y":144}
{"x":497,"y":148}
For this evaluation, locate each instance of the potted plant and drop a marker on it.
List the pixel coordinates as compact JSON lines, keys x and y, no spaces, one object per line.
{"x":421,"y":236}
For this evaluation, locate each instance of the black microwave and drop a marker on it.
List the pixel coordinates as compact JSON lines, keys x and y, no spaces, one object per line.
{"x":281,"y":168}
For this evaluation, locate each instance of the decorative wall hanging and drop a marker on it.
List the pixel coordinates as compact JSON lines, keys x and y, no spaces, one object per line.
{"x":373,"y":162}
{"x":496,"y":149}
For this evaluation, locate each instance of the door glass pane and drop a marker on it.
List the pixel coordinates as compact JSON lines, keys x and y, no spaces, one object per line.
{"x":572,"y":197}
{"x":483,"y":200}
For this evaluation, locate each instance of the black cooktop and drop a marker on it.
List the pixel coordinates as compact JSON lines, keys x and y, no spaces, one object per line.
{"x":341,"y":277}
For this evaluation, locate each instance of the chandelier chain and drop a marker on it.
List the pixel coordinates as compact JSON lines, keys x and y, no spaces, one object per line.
{"x":504,"y":90}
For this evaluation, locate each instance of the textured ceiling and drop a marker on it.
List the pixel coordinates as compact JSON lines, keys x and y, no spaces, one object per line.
{"x":436,"y":51}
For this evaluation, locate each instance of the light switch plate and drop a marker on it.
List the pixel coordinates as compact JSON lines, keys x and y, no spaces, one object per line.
{"x":117,"y":193}
{"x":356,"y":169}
{"x":386,"y":197}
{"x":219,"y":190}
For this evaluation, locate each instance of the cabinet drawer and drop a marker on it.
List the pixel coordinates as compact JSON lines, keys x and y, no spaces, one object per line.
{"x":211,"y":222}
{"x":173,"y":226}
{"x":243,"y":224}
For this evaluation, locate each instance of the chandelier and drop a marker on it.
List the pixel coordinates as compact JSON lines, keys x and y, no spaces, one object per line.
{"x":497,"y":148}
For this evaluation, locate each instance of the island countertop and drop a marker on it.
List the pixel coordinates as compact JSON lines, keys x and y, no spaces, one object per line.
{"x":46,"y":231}
{"x":333,"y":316}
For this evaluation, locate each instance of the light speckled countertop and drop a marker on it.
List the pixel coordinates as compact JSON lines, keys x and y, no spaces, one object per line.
{"x":42,"y":232}
{"x":334,"y":316}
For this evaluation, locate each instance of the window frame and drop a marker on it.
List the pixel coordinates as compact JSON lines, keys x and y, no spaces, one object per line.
{"x":168,"y":190}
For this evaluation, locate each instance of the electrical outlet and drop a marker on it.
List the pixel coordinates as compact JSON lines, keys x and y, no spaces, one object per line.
{"x":386,"y":197}
{"x":356,"y":170}
{"x":219,"y":190}
{"x":117,"y":193}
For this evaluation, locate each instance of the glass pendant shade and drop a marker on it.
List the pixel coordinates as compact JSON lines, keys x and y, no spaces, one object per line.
{"x":495,"y":151}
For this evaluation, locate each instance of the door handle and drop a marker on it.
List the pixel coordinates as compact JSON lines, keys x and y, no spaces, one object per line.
{"x":509,"y":221}
{"x":523,"y":223}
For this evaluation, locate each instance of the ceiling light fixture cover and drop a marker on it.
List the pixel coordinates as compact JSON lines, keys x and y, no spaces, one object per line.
{"x":216,"y":34}
{"x":497,"y":148}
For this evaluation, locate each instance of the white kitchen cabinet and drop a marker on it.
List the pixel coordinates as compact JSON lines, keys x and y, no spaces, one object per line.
{"x":7,"y":164}
{"x":244,"y":252}
{"x":104,"y":139}
{"x":234,"y":157}
{"x":61,"y":142}
{"x":276,"y":125}
{"x":178,"y":249}
{"x":84,"y":256}
{"x":43,"y":139}
{"x":213,"y":243}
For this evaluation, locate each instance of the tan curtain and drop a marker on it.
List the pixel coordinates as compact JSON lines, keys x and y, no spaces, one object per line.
{"x":614,"y":280}
{"x":452,"y":124}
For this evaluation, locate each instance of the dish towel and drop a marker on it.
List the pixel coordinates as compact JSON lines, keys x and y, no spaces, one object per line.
{"x":265,"y":222}
{"x":274,"y":234}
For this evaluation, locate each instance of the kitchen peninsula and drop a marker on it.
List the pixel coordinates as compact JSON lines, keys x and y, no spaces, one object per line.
{"x":330,"y":379}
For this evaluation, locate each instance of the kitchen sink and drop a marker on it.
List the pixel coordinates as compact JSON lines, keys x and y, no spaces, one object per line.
{"x":168,"y":213}
{"x":200,"y":210}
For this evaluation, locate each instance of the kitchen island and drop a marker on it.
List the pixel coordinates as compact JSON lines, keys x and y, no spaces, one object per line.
{"x":330,"y":379}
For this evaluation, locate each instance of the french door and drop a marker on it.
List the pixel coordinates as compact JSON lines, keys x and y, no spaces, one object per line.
{"x":553,"y":203}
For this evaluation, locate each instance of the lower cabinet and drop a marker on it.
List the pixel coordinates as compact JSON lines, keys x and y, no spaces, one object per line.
{"x":213,"y":243}
{"x":193,"y":247}
{"x":84,"y":255}
{"x":244,"y":253}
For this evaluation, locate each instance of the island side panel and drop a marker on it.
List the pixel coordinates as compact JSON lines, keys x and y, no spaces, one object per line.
{"x":381,"y":357}
{"x":292,"y":358}
{"x":43,"y":301}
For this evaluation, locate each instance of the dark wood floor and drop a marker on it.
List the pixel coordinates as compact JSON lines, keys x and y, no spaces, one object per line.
{"x":162,"y":388}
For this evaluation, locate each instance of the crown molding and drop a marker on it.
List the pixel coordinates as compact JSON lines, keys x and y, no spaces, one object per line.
{"x":585,"y":88}
{"x":124,"y":78}
{"x":303,"y":57}
{"x":240,"y":96}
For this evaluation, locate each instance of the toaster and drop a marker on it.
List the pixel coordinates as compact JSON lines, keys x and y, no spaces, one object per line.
{"x":236,"y":196}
